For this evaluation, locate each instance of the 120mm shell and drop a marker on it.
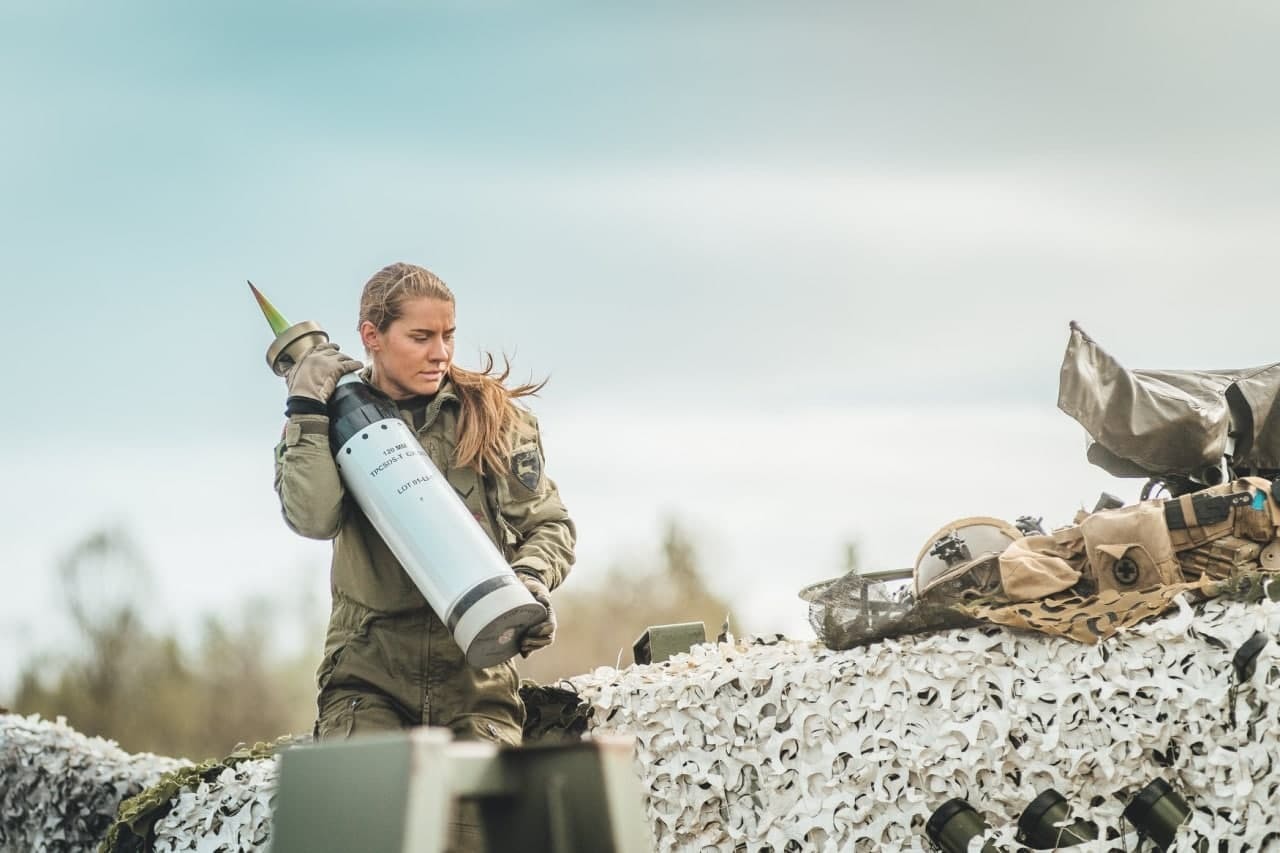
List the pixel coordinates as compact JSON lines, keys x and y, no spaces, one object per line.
{"x":426,"y":525}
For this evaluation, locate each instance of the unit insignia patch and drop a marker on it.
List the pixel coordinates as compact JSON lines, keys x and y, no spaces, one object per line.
{"x":526,"y":464}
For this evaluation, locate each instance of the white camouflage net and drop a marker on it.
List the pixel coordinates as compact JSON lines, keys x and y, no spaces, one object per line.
{"x":230,"y":813}
{"x":59,"y":789}
{"x":791,"y":746}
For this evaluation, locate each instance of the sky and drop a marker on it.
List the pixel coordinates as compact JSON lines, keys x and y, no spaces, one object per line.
{"x":799,"y":274}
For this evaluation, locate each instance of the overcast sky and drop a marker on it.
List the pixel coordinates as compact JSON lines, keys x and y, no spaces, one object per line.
{"x":799,"y":273}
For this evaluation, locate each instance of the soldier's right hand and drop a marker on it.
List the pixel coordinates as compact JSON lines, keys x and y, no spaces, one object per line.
{"x":316,"y":375}
{"x":541,"y":634}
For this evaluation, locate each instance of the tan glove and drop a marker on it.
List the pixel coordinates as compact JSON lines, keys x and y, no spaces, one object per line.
{"x":540,"y":635}
{"x":315,"y":376}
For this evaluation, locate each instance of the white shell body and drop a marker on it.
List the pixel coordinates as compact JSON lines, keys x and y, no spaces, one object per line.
{"x":421,"y":518}
{"x":434,"y":536}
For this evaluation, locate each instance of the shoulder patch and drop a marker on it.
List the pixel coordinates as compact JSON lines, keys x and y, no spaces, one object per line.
{"x":526,"y":464}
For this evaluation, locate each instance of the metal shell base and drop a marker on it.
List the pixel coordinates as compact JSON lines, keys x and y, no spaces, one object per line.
{"x":292,"y":344}
{"x":490,"y":631}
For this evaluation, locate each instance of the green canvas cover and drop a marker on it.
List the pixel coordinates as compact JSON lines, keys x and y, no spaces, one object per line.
{"x":1159,"y":422}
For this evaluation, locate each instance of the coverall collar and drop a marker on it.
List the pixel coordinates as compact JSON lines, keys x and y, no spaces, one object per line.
{"x":446,"y":394}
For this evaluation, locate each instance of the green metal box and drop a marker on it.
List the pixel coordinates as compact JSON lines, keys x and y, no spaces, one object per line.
{"x":394,"y":793}
{"x":660,"y":642}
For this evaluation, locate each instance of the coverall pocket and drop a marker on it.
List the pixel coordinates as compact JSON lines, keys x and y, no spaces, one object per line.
{"x":348,"y":628}
{"x":337,"y":720}
{"x":503,"y":732}
{"x":347,"y":714}
{"x":332,"y":656}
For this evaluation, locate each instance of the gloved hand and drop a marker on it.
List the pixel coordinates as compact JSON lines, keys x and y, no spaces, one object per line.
{"x":541,"y":634}
{"x":315,"y":376}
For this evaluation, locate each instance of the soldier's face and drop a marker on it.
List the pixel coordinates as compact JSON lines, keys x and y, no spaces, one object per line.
{"x":413,"y":355}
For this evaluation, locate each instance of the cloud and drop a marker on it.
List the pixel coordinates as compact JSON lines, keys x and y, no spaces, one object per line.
{"x":944,"y":211}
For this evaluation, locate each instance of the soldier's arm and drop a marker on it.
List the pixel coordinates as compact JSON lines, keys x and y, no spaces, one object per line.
{"x":306,"y":478}
{"x":542,"y":534}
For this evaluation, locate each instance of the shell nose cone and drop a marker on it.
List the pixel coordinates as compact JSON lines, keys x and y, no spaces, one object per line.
{"x":276,"y":320}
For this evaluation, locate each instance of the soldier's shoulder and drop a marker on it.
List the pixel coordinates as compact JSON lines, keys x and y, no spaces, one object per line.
{"x":525,"y":419}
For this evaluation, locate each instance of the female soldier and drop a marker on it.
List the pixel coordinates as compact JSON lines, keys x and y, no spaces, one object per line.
{"x":389,"y":661}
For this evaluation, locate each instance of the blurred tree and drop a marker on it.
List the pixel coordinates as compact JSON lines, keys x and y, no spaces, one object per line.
{"x":147,"y":691}
{"x":141,"y":688}
{"x":851,"y":560}
{"x":600,"y":618}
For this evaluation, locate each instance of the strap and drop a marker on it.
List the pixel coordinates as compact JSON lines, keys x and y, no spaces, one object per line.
{"x":1202,"y":510}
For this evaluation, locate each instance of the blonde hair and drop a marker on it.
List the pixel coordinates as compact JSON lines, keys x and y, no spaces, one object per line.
{"x":488,"y":417}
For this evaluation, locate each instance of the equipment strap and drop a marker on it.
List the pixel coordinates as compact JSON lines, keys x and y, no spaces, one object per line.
{"x":1202,"y":510}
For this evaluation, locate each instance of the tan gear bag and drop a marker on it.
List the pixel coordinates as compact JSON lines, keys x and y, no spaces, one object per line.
{"x":1038,"y":566}
{"x":1129,"y":548}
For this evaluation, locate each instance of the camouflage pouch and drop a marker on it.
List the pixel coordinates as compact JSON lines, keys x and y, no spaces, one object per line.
{"x":1221,"y":558}
{"x":1130,"y":548}
{"x":1034,"y":567}
{"x":1086,"y":618}
{"x":1241,"y":508}
{"x":1259,"y":519}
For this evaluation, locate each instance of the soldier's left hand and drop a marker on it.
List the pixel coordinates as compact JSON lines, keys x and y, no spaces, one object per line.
{"x":541,"y":634}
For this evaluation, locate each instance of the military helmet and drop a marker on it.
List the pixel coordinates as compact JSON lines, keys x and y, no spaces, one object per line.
{"x":958,"y":548}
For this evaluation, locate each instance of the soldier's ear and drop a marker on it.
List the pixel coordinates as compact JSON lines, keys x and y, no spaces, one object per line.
{"x":370,"y":336}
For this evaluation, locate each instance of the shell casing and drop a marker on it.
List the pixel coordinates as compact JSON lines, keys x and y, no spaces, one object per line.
{"x":293,"y":340}
{"x":292,"y":344}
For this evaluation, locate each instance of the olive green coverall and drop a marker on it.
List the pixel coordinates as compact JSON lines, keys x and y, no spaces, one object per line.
{"x":389,"y":660}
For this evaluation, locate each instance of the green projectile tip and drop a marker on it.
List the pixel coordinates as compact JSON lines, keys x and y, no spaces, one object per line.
{"x":274,"y":317}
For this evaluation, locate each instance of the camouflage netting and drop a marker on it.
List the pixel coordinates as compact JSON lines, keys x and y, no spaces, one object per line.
{"x":216,"y":805}
{"x":783,"y":745}
{"x":552,"y":713}
{"x":229,"y":812}
{"x":852,"y":611}
{"x":59,"y":790}
{"x":62,"y":791}
{"x":793,"y":746}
